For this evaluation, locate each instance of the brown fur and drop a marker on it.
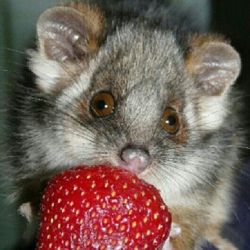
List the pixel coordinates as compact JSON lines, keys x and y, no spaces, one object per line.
{"x":96,"y":22}
{"x":185,"y":218}
{"x":196,"y":221}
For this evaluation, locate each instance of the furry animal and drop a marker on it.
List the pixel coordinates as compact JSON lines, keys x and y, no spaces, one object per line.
{"x":121,"y":83}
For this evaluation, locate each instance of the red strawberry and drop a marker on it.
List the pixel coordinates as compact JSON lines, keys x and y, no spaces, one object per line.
{"x":102,"y":208}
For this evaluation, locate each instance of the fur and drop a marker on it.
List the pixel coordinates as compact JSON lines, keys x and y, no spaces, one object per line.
{"x":142,"y":60}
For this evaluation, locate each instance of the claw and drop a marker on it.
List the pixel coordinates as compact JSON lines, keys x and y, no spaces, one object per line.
{"x":26,"y":211}
{"x":175,"y":230}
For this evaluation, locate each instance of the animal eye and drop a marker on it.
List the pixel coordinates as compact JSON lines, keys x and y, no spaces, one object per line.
{"x":102,"y":104}
{"x":170,"y":121}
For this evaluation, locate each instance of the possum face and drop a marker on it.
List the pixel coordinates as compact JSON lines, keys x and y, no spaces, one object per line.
{"x":129,"y":98}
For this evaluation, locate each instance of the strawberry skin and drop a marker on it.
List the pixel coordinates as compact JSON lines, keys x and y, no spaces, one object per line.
{"x":101,"y":208}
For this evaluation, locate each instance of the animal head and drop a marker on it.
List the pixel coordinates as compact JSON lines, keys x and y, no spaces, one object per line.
{"x":130,"y":97}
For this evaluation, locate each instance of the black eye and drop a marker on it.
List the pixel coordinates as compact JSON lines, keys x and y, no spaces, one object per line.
{"x":102,"y":104}
{"x":170,"y":121}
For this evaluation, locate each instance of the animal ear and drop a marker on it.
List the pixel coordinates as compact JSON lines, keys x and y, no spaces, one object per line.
{"x":69,"y":33}
{"x":68,"y":37}
{"x":214,"y":64}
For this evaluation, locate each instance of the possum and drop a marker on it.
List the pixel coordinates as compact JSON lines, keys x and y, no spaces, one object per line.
{"x":124,"y":83}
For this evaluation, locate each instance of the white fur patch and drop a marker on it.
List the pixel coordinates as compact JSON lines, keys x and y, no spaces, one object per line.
{"x":189,"y":114}
{"x":212,"y":112}
{"x":26,"y":211}
{"x":47,"y":71}
{"x":75,"y":90}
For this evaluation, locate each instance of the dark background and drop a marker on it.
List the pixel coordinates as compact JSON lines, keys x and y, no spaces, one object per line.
{"x":232,"y":18}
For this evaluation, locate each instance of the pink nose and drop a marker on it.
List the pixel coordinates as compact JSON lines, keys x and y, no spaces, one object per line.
{"x":135,"y":159}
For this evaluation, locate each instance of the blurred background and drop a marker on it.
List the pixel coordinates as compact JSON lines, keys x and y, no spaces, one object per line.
{"x":17,"y":28}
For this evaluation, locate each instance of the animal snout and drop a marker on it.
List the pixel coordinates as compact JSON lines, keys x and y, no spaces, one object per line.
{"x":135,"y":159}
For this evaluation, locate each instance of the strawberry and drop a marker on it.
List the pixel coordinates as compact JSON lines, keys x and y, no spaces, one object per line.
{"x":102,"y":208}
